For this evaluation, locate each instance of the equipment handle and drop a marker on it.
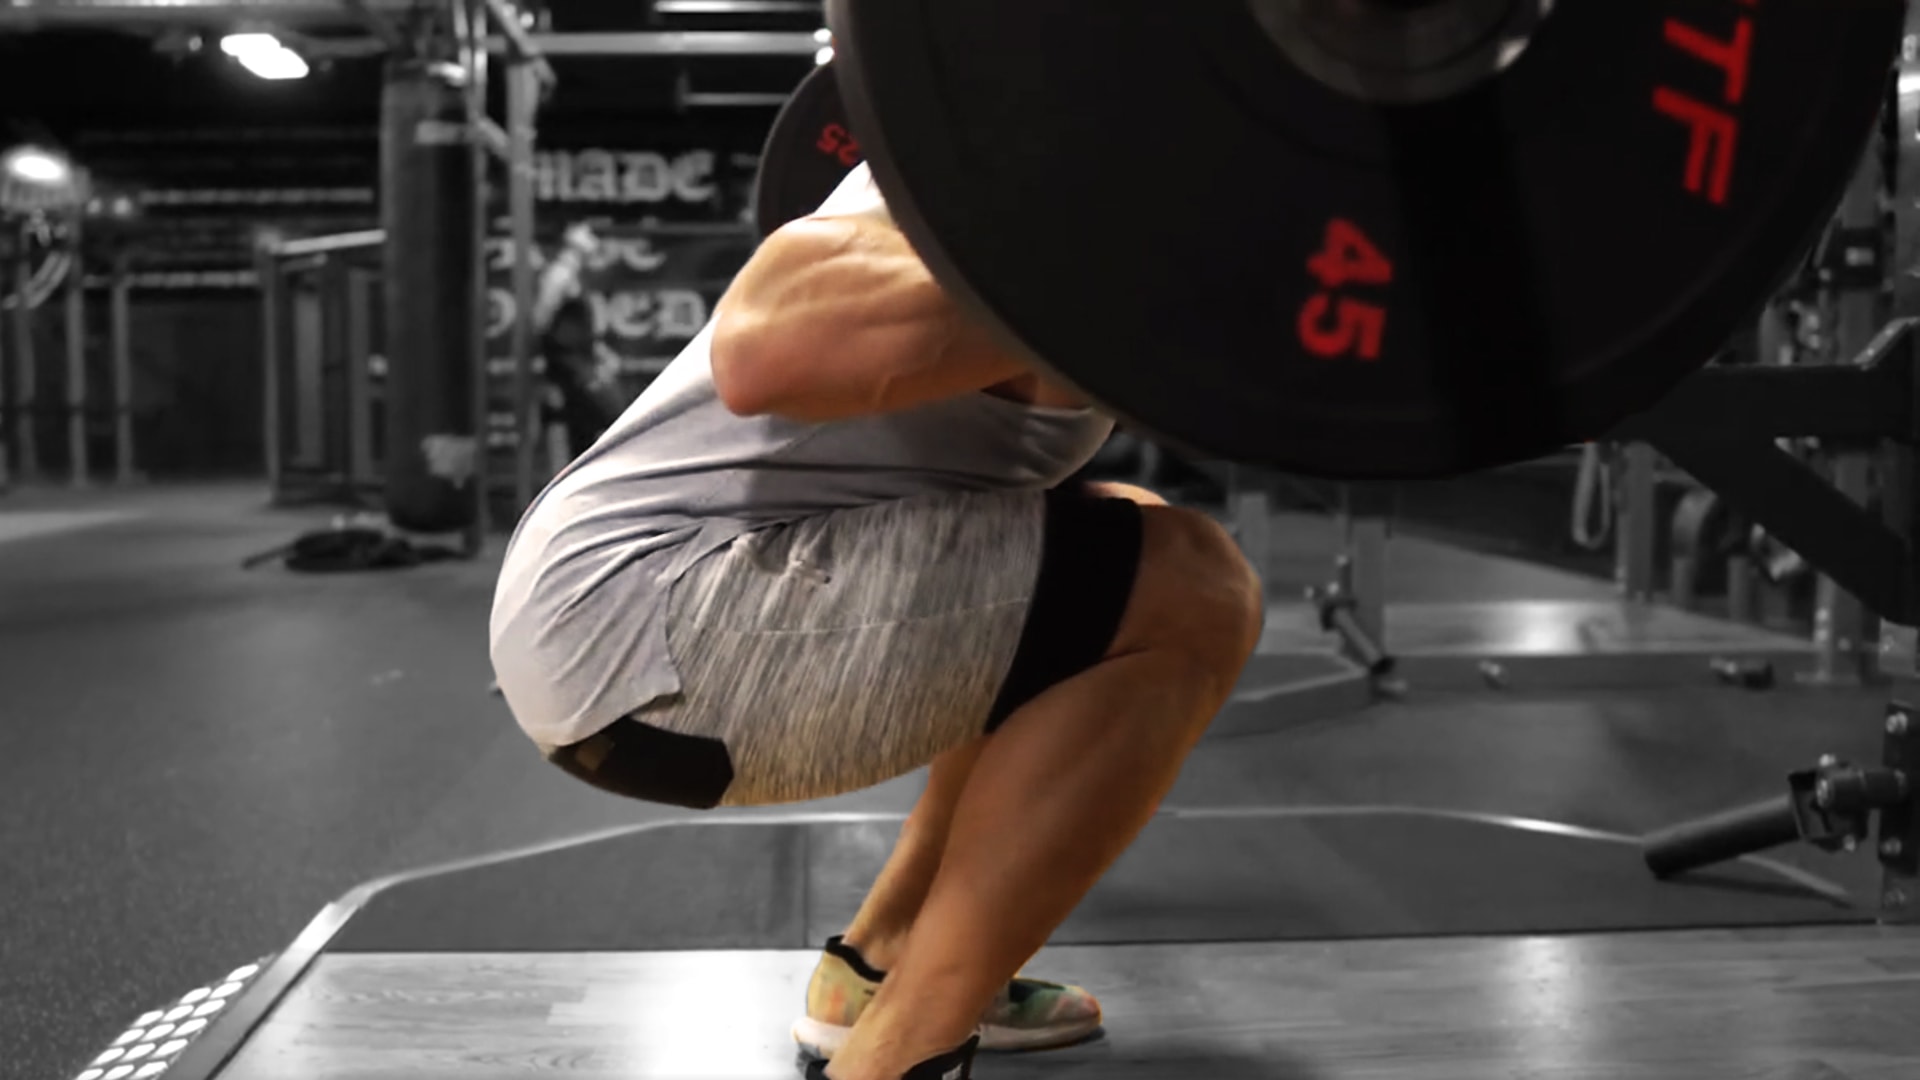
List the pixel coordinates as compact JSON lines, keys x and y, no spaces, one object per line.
{"x":1729,"y":835}
{"x":1367,"y":652}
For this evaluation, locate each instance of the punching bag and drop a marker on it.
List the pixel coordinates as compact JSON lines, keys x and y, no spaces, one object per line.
{"x":427,"y":208}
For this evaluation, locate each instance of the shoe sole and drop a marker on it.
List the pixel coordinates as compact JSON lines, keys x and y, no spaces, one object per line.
{"x":821,"y":1040}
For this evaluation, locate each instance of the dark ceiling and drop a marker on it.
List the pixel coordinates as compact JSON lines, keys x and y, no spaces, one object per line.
{"x":58,"y":84}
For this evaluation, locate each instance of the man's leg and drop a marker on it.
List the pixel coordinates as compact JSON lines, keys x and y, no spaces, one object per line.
{"x":1029,"y":1013}
{"x":1061,"y":791}
{"x":889,"y":911}
{"x":894,"y":902}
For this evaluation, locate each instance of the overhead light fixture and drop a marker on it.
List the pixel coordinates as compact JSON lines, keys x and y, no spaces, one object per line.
{"x":265,"y":56}
{"x":36,"y":166}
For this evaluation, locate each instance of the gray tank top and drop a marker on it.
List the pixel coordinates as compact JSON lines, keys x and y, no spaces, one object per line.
{"x":578,"y":629}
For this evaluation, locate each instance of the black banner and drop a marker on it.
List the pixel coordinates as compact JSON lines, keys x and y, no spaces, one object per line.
{"x":187,"y":201}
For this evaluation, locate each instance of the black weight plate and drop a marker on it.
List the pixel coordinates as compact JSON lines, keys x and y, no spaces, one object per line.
{"x":1136,"y":190}
{"x":808,"y":152}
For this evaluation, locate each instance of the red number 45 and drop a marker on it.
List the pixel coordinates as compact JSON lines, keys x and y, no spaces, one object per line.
{"x":1334,"y":326}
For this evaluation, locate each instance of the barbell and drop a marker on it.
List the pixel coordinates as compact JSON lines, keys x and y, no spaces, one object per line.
{"x":1358,"y":239}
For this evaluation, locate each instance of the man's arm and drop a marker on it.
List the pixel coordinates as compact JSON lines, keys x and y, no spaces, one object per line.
{"x":837,"y":317}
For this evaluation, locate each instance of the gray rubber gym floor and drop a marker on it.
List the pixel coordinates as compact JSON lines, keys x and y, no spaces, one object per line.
{"x":199,"y":757}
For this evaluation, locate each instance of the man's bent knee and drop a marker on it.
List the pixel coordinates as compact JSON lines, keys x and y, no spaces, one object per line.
{"x":1195,"y":592}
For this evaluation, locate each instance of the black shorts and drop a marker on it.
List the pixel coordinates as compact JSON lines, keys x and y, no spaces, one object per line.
{"x":841,"y":651}
{"x":1089,"y":559}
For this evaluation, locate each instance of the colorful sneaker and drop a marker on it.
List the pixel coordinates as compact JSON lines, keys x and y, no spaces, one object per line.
{"x":1027,"y":1015}
{"x":953,"y":1065}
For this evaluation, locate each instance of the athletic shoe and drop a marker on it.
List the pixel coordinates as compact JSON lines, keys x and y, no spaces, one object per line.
{"x":952,"y":1065}
{"x":1027,"y":1015}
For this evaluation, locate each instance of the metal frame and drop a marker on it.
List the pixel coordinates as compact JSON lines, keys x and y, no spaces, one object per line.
{"x":738,"y":7}
{"x":482,"y":29}
{"x":1636,"y":524}
{"x":523,"y":103}
{"x":120,"y":304}
{"x":529,"y":77}
{"x":1721,"y":426}
{"x":717,"y":43}
{"x":362,"y":287}
{"x":1350,"y":608}
{"x":346,"y":473}
{"x":26,"y":361}
{"x":1855,"y":289}
{"x":19,"y":359}
{"x":271,"y":353}
{"x":7,"y":425}
{"x":79,"y":465}
{"x":1355,"y":622}
{"x":471,"y":20}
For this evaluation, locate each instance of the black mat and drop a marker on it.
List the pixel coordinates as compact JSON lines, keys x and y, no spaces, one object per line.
{"x":1267,"y":672}
{"x":1306,"y":876}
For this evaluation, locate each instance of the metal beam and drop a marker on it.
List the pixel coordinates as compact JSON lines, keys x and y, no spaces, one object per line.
{"x":697,"y":99}
{"x":492,"y":138}
{"x":738,"y":7}
{"x":1841,"y":538}
{"x":321,"y":245}
{"x":523,"y":107}
{"x":520,"y":46}
{"x":1839,"y":402}
{"x":32,"y":14}
{"x":716,"y":43}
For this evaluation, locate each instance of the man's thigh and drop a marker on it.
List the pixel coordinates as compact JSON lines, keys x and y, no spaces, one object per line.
{"x":842,"y":651}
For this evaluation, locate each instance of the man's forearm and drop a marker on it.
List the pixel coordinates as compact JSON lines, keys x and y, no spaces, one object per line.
{"x":845,"y":320}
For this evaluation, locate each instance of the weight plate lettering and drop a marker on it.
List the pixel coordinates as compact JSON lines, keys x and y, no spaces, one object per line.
{"x":808,"y":152}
